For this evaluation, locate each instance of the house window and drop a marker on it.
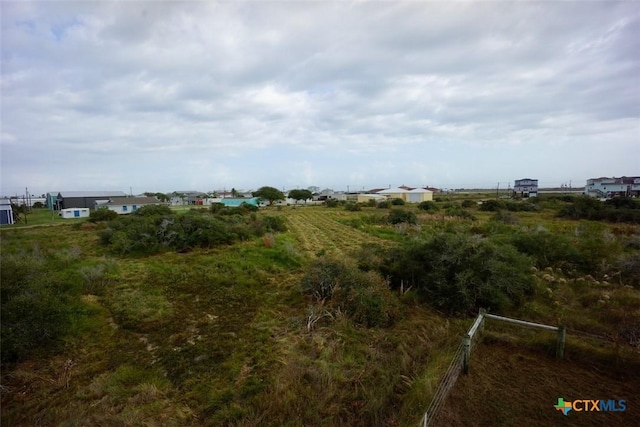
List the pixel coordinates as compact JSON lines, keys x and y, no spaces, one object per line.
{"x":124,"y":208}
{"x":134,"y":208}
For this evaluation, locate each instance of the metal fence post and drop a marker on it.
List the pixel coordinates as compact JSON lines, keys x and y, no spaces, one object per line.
{"x":467,"y":354}
{"x":482,"y":313}
{"x":562,"y":336}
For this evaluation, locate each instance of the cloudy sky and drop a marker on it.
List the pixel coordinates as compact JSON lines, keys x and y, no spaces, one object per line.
{"x":163,"y":96}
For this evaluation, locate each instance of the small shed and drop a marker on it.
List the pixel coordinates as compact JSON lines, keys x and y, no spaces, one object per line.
{"x":6,"y":213}
{"x":71,"y":213}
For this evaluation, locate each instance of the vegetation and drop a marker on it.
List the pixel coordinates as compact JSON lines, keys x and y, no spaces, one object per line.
{"x":298,"y":195}
{"x":269,"y":194}
{"x":99,"y":215}
{"x":311,"y":316}
{"x":621,"y":209}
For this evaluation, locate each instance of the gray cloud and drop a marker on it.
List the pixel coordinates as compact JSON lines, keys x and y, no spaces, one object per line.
{"x":165,"y":95}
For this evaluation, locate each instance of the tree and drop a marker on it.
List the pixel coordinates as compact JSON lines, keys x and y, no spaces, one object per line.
{"x":268,"y":193}
{"x":19,"y":210}
{"x":300,"y":195}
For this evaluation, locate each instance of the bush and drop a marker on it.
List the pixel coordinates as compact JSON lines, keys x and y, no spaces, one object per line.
{"x":492,"y":205}
{"x":102,"y":215}
{"x":352,"y":207}
{"x":505,"y":217}
{"x":459,"y":273}
{"x":371,"y":203}
{"x":153,"y":210}
{"x":364,"y":296}
{"x":428,"y":206}
{"x":331,"y":203}
{"x":456,"y":210}
{"x":397,"y":202}
{"x":629,"y":268}
{"x":398,"y":216}
{"x":384,"y":204}
{"x":38,"y":205}
{"x":468,"y":203}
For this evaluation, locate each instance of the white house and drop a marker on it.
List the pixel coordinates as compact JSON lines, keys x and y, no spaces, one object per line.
{"x":126,"y":205}
{"x":605,"y":187}
{"x":70,"y":213}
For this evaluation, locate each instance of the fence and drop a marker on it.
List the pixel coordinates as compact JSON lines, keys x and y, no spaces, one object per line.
{"x":462,"y":357}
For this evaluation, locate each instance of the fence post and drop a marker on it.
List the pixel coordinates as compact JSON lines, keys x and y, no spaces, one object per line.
{"x":562,"y":336}
{"x":425,"y":420}
{"x":482,"y":313}
{"x":467,"y":354}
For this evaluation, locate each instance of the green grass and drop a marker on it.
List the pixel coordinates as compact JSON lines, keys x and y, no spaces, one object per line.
{"x":219,"y":336}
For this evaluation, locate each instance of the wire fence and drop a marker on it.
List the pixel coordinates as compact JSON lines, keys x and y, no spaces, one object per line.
{"x":453,"y":371}
{"x":444,"y":387}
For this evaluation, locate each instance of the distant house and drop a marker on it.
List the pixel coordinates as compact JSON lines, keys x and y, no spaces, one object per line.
{"x":526,"y":187}
{"x":6,"y":213}
{"x":83,"y":199}
{"x":70,"y":213}
{"x":606,"y":188}
{"x":126,"y":205}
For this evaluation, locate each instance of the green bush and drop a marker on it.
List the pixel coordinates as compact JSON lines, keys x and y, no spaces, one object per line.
{"x":468,"y":203}
{"x":492,"y":205}
{"x":384,"y":204}
{"x":102,"y":215}
{"x":352,"y":207}
{"x":456,"y":210}
{"x":153,"y":210}
{"x":429,"y":206}
{"x":505,"y":217}
{"x":371,"y":203}
{"x":459,"y":273}
{"x":364,"y":296}
{"x":629,"y":268}
{"x":397,"y":202}
{"x":332,"y":203}
{"x":398,"y":216}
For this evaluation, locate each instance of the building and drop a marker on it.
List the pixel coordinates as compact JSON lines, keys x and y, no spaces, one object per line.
{"x":235,"y":202}
{"x":525,"y":187}
{"x":408,"y":194}
{"x":83,"y":199}
{"x":70,"y":213}
{"x":6,"y":212}
{"x":126,"y":205}
{"x":606,"y":188}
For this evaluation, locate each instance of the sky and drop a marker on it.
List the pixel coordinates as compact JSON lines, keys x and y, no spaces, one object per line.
{"x":164,"y":96}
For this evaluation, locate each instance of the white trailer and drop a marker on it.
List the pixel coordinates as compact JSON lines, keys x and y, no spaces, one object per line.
{"x":71,"y":213}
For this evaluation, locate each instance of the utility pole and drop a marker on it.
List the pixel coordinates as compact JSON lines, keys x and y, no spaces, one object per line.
{"x":498,"y":191}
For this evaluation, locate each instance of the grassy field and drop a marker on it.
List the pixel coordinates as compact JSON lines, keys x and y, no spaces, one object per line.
{"x":221,"y":336}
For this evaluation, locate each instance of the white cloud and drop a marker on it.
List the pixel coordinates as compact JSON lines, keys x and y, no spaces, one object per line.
{"x":199,"y":94}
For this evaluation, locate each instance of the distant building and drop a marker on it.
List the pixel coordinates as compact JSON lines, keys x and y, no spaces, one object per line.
{"x":6,"y":213}
{"x":236,"y":202}
{"x":408,"y":194}
{"x":526,"y":187}
{"x":69,"y":213}
{"x":606,"y":188}
{"x":126,"y":205}
{"x":82,"y":199}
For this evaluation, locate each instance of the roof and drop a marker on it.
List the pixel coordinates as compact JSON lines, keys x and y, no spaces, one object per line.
{"x":5,"y":202}
{"x":420,"y":190}
{"x":133,"y":201}
{"x":396,"y":190}
{"x":70,"y":194}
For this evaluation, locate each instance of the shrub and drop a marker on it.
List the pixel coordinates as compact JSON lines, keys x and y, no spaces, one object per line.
{"x":397,"y":216}
{"x":492,"y":205}
{"x":459,"y":273}
{"x":505,"y":217}
{"x":468,"y":203}
{"x":38,"y":205}
{"x":331,"y":203}
{"x":428,"y":206}
{"x":352,"y":207}
{"x":629,"y":268}
{"x":102,"y":215}
{"x":456,"y":210}
{"x":384,"y":204}
{"x":364,"y":296}
{"x":153,"y":210}
{"x":371,"y":203}
{"x":397,"y":202}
